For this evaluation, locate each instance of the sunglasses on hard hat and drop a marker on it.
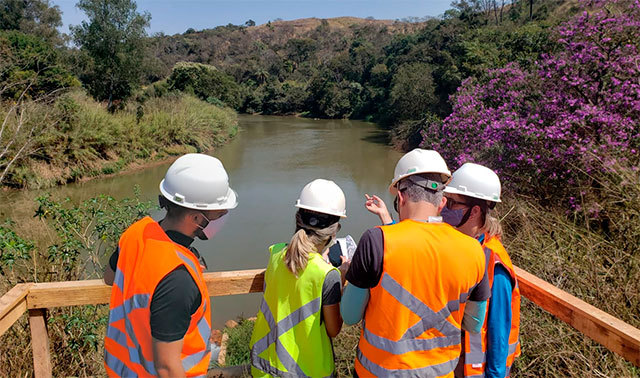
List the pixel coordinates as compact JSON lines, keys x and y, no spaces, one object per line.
{"x":318,"y":220}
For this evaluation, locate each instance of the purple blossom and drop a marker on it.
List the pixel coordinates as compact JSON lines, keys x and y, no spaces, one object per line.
{"x":577,"y":112}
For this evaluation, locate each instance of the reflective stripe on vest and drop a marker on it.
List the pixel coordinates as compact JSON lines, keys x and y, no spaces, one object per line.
{"x":428,"y":319}
{"x":408,"y":342}
{"x":147,"y":255}
{"x":412,"y":325}
{"x":204,"y":330}
{"x":295,"y":318}
{"x":475,"y":348}
{"x":118,"y":313}
{"x":290,"y":309}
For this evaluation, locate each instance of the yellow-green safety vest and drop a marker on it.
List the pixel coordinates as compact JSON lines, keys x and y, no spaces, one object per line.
{"x":288,"y":338}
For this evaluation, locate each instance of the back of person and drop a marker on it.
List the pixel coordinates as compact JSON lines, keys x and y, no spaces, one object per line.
{"x":414,"y":316}
{"x":300,"y":308}
{"x":147,"y":254}
{"x":303,"y":347}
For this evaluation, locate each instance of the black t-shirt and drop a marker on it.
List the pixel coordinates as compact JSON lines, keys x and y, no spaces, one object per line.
{"x":331,"y":288}
{"x":175,"y":299}
{"x":366,"y":266}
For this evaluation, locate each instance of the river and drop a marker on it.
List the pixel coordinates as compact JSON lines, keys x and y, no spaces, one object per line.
{"x":268,"y":163}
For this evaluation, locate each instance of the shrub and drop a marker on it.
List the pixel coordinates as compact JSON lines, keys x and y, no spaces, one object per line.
{"x":206,"y":81}
{"x":81,"y":237}
{"x":30,"y":64}
{"x":238,"y":350}
{"x":548,"y":131}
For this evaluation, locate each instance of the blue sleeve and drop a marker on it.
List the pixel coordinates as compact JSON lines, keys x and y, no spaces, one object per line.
{"x":354,"y":302}
{"x":499,"y":323}
{"x":474,"y":314}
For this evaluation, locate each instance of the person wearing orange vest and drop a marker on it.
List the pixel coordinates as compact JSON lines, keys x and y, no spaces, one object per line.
{"x":160,"y":310}
{"x":472,"y":194}
{"x":417,"y":283}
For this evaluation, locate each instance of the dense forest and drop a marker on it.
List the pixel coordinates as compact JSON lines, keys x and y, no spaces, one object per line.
{"x":393,"y":72}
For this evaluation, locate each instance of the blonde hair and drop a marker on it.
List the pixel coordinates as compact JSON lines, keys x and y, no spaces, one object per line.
{"x":491,"y":226}
{"x":306,"y":240}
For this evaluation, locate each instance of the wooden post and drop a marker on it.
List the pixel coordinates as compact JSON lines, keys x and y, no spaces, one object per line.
{"x":40,"y":343}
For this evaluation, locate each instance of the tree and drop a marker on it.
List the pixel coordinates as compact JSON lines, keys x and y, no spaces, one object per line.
{"x":114,"y":37}
{"x":412,"y":94}
{"x":250,"y":23}
{"x":31,"y":65}
{"x":206,"y":82}
{"x":35,"y":17}
{"x":559,"y":127}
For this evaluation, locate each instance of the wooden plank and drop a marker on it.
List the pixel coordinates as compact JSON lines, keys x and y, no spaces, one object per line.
{"x":40,"y":343}
{"x":234,"y":282}
{"x":12,"y":305}
{"x":613,"y":333}
{"x":75,"y":293}
{"x":68,"y":293}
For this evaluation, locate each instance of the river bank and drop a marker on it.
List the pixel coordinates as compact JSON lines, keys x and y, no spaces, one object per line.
{"x":81,"y":140}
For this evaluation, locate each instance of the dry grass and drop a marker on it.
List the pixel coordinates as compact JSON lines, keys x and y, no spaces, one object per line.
{"x":595,"y":258}
{"x":87,"y":141}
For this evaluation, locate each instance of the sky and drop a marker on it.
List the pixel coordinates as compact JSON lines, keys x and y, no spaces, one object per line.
{"x":171,"y":17}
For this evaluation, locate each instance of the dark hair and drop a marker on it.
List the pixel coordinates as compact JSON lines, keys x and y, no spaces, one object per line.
{"x":174,"y":211}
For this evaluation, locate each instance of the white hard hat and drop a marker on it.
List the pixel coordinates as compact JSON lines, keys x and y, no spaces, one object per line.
{"x":419,"y":161}
{"x":323,"y":196}
{"x":477,"y":181}
{"x":198,"y":181}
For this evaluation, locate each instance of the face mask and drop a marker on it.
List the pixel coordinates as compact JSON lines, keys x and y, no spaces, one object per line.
{"x":213,"y":227}
{"x":452,"y":217}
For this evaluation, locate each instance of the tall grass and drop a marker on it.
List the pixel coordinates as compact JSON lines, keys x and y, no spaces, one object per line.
{"x":86,"y":140}
{"x":591,"y":251}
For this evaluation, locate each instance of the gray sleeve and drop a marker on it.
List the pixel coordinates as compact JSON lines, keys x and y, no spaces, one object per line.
{"x":331,"y":288}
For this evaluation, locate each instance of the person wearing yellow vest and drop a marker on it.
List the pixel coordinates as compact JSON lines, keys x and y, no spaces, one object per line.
{"x":300,"y":308}
{"x":417,"y":283}
{"x":472,"y":194}
{"x":160,"y":310}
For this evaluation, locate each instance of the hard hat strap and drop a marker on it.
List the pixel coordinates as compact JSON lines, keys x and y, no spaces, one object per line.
{"x":425,"y":183}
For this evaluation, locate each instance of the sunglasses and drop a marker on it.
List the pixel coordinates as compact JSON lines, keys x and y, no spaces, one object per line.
{"x":318,"y":220}
{"x":451,"y":203}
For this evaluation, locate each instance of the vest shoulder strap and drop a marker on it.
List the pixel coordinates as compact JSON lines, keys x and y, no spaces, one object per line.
{"x":275,"y":248}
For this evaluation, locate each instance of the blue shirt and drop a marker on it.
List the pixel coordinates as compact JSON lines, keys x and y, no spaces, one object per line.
{"x":499,"y":323}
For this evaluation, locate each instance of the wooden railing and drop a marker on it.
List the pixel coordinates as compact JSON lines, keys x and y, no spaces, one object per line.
{"x":36,"y":298}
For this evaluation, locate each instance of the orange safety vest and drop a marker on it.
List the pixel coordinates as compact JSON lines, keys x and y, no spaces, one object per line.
{"x":147,"y":255}
{"x":412,"y":324}
{"x":475,"y":347}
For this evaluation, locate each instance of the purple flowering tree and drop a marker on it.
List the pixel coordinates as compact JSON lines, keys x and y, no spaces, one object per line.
{"x":576,"y":115}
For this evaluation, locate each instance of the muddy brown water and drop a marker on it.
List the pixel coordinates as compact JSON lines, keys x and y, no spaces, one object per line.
{"x":268,"y":162}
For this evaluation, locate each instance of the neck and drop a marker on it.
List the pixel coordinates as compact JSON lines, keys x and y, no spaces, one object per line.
{"x":470,"y":229}
{"x":170,"y":224}
{"x":419,"y":211}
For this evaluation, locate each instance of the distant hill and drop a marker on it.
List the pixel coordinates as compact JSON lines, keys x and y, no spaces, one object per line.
{"x":230,"y":45}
